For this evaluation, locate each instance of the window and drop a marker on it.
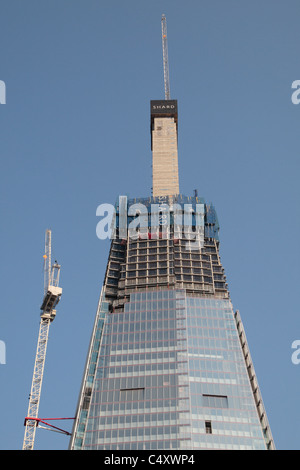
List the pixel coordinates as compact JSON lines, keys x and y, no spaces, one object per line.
{"x":220,"y":285}
{"x":132,"y":266}
{"x":131,"y":274}
{"x":208,"y":428}
{"x":186,"y":263}
{"x":112,"y":281}
{"x":114,"y":265}
{"x":132,"y":394}
{"x":113,"y":273}
{"x":162,"y":264}
{"x":215,"y":401}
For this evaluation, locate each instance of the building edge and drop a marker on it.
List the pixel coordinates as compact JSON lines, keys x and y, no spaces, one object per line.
{"x":254,"y":383}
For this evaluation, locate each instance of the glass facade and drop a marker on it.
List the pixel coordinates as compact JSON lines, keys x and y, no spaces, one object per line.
{"x":169,"y":373}
{"x":141,"y":393}
{"x":223,"y":410}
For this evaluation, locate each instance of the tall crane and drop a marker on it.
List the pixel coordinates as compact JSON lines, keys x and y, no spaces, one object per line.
{"x":52,"y":295}
{"x":165,"y":57}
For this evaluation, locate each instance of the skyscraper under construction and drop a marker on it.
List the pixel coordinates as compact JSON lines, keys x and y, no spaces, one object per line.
{"x":168,"y":365}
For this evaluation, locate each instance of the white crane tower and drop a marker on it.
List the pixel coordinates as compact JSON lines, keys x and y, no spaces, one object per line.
{"x":165,"y":56}
{"x":52,"y":294}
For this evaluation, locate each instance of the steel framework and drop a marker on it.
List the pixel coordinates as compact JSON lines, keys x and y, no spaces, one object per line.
{"x":52,"y":294}
{"x":165,"y":57}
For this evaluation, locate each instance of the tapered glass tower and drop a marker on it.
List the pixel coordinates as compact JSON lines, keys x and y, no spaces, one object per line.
{"x":168,"y":365}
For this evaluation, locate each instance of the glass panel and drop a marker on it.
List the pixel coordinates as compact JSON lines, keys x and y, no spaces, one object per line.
{"x":170,"y":372}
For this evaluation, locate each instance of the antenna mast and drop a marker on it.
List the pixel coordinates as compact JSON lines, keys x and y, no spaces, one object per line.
{"x":165,"y":57}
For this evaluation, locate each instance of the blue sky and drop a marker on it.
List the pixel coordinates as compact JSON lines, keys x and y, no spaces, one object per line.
{"x":75,"y":133}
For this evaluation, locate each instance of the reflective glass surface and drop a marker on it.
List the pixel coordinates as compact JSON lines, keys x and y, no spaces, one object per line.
{"x":170,"y":374}
{"x":220,"y":390}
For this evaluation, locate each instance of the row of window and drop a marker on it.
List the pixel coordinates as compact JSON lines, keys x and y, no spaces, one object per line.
{"x":139,"y":419}
{"x":146,"y":335}
{"x":150,"y":445}
{"x":143,"y":260}
{"x":144,"y":432}
{"x":147,"y":357}
{"x":147,"y":322}
{"x":165,"y":431}
{"x":142,"y":346}
{"x":216,"y":321}
{"x":143,"y":368}
{"x":164,"y":247}
{"x":161,"y":242}
{"x":133,"y":330}
{"x":195,"y":266}
{"x":184,"y":254}
{"x":149,"y":243}
{"x":142,"y":276}
{"x":136,"y":382}
{"x":152,"y":258}
{"x":164,"y":392}
{"x":198,"y":274}
{"x":144,"y":251}
{"x":181,"y":299}
{"x":142,"y":406}
{"x":150,"y":272}
{"x":155,"y":306}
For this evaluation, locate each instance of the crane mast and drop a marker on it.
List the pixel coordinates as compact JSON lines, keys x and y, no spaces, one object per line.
{"x":47,"y":261}
{"x":52,"y":294}
{"x":165,"y":57}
